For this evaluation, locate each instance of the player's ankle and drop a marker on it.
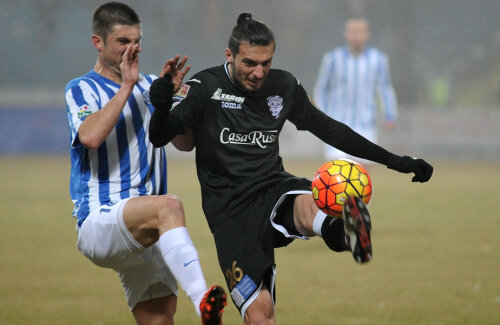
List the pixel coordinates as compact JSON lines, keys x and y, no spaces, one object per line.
{"x":332,"y":232}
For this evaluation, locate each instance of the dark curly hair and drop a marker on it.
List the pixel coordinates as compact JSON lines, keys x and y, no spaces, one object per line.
{"x":110,"y":14}
{"x":252,"y":31}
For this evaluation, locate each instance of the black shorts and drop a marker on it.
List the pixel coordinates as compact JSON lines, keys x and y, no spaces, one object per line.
{"x":245,"y":243}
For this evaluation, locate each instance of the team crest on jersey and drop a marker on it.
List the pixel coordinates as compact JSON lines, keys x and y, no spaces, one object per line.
{"x":84,"y":111}
{"x":275,"y":104}
{"x":145,"y":97}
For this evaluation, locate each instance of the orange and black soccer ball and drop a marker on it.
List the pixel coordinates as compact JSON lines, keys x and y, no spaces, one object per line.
{"x":338,"y":180}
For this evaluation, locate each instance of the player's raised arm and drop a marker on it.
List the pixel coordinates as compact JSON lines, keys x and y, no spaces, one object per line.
{"x":163,"y":127}
{"x":342,"y":137}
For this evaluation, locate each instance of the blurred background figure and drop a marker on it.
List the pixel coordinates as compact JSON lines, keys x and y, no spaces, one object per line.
{"x":444,"y":63}
{"x":353,"y":81}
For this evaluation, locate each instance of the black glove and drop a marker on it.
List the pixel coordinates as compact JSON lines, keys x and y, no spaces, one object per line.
{"x":405,"y":164}
{"x":161,"y":92}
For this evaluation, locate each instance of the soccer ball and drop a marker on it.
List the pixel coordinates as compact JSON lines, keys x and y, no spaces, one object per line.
{"x":338,"y":180}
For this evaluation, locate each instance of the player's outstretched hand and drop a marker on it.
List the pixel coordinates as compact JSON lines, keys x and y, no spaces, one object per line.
{"x":406,"y":164}
{"x":161,"y":92}
{"x":177,"y":68}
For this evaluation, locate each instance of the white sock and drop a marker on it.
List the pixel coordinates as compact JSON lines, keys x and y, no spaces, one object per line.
{"x":181,"y":257}
{"x":318,"y":222}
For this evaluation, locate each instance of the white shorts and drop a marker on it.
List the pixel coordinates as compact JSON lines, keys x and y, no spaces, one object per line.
{"x":105,"y":240}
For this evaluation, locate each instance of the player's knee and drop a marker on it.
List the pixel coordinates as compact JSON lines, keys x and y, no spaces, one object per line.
{"x":258,"y":318}
{"x":171,"y":201}
{"x":143,"y":311}
{"x":304,"y":212}
{"x":171,"y":212}
{"x":261,"y":310}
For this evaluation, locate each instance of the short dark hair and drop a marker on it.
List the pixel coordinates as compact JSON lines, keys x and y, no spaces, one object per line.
{"x":252,"y":31}
{"x":110,"y":14}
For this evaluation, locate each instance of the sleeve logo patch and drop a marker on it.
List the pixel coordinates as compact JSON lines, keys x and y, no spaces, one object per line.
{"x":84,"y":112}
{"x":181,"y":93}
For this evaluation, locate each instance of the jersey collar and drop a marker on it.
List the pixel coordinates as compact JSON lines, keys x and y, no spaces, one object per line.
{"x":226,"y":68}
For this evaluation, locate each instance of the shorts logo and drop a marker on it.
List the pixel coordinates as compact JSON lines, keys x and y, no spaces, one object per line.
{"x":259,"y":138}
{"x":242,"y":286}
{"x":275,"y":104}
{"x":243,"y":290}
{"x":84,"y":112}
{"x":228,"y":101}
{"x":107,"y":210}
{"x":234,"y":275}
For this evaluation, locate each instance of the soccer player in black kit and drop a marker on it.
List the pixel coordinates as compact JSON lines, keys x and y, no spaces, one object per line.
{"x":233,"y":115}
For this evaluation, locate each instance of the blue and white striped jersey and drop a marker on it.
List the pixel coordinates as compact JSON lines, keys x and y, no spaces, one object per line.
{"x":347,"y":87}
{"x":126,"y":164}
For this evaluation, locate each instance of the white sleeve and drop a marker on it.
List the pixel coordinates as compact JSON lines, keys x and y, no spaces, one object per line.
{"x":320,"y":93}
{"x":82,"y":99}
{"x":386,"y":91}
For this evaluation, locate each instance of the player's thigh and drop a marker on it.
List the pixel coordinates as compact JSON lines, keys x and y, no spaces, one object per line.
{"x":146,"y":217}
{"x":156,"y":311}
{"x":105,"y":240}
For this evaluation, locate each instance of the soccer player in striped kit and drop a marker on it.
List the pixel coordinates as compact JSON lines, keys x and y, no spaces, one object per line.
{"x":351,"y":78}
{"x":126,"y":219}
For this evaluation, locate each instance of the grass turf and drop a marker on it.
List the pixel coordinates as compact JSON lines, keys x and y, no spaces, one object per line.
{"x":435,"y":253}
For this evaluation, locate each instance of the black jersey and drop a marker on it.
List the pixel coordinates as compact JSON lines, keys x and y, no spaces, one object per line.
{"x":236,"y":135}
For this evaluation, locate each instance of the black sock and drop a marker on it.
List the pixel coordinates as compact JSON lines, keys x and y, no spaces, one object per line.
{"x":333,"y":234}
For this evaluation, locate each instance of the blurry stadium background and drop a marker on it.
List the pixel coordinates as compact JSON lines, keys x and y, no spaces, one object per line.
{"x":444,"y":60}
{"x":436,"y":244}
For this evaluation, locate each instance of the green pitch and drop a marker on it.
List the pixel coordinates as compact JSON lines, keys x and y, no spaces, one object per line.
{"x":436,"y":257}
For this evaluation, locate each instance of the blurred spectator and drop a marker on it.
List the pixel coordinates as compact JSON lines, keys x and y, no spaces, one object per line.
{"x":351,"y":79}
